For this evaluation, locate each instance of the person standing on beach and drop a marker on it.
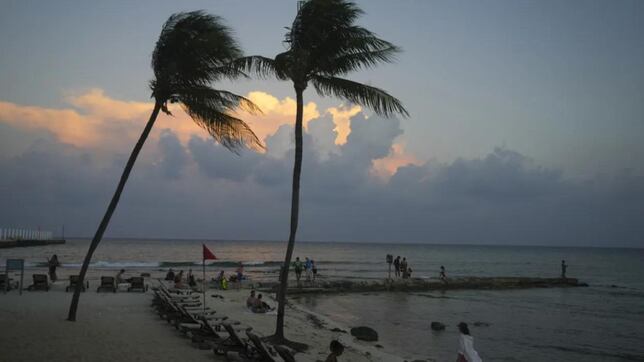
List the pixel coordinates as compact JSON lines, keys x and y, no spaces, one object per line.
{"x":170,"y":275}
{"x":240,"y":274}
{"x":298,"y":270}
{"x":397,"y":266}
{"x":563,"y":269}
{"x":53,"y":263}
{"x":307,"y":269}
{"x":314,"y":269}
{"x":466,"y":352}
{"x":403,"y":267}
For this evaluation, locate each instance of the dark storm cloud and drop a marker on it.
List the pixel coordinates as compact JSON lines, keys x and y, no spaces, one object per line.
{"x":207,"y":191}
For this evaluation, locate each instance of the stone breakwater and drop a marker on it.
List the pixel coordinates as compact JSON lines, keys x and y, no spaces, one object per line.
{"x":419,"y":285}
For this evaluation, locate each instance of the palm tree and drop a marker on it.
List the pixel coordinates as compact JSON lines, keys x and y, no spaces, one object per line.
{"x":323,"y":44}
{"x":193,"y":50}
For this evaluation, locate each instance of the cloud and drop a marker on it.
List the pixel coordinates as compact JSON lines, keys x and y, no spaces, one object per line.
{"x":366,"y":189}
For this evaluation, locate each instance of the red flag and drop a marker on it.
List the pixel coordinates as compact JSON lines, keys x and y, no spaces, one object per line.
{"x":207,"y":254}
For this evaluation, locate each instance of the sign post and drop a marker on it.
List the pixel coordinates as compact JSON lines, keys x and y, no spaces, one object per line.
{"x":15,"y":264}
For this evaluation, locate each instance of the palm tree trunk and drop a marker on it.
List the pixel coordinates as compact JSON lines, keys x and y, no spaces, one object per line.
{"x":110,"y":210}
{"x":295,"y":206}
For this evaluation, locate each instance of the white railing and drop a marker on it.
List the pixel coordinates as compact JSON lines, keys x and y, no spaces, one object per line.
{"x":25,"y":234}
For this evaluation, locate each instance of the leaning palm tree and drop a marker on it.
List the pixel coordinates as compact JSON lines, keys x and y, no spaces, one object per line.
{"x":193,"y":50}
{"x":323,"y":45}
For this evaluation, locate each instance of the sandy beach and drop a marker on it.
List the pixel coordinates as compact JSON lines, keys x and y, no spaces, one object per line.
{"x":123,"y":326}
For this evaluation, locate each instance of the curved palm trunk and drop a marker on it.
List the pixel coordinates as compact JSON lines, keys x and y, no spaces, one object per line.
{"x":110,"y":210}
{"x":295,"y":206}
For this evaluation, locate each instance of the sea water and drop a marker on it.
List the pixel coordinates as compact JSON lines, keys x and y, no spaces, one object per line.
{"x":603,"y":322}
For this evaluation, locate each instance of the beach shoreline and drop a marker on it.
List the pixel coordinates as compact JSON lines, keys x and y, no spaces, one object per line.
{"x":126,"y":320}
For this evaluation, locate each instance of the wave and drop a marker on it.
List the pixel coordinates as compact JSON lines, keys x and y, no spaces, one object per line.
{"x":158,"y":264}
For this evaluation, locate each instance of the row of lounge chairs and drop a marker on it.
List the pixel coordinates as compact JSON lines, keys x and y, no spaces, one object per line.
{"x":207,"y":330}
{"x":41,"y":282}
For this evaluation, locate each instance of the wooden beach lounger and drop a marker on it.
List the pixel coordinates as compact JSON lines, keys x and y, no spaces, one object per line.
{"x":137,"y":283}
{"x":73,"y":280}
{"x":233,"y":343}
{"x":107,"y":284}
{"x":264,"y":354}
{"x":40,"y":282}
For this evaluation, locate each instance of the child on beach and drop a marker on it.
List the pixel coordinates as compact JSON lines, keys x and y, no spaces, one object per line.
{"x":466,"y":352}
{"x":336,"y":350}
{"x":314,"y":269}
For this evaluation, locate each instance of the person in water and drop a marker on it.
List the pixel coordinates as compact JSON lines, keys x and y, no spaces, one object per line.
{"x":260,"y":306}
{"x":466,"y":352}
{"x":250,"y":301}
{"x":336,"y":350}
{"x":397,"y":266}
{"x":563,"y":269}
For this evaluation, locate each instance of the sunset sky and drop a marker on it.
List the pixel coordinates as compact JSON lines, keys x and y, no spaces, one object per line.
{"x":526,"y":127}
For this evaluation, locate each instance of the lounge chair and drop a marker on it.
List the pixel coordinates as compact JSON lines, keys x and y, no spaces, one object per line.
{"x":107,"y":284}
{"x":263,"y":352}
{"x":73,"y":280}
{"x":40,"y":283}
{"x":285,"y":353}
{"x":137,"y":283}
{"x":232,"y":344}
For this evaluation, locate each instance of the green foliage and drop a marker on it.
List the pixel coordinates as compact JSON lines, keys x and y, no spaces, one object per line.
{"x":194,"y":50}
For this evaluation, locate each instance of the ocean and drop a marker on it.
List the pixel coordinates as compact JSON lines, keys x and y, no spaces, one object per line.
{"x":602,"y":322}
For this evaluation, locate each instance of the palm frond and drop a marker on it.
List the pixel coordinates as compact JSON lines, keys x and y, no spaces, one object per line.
{"x":231,"y":132}
{"x":377,"y":99}
{"x":346,"y":63}
{"x":261,"y":66}
{"x":224,"y":100}
{"x":191,"y":50}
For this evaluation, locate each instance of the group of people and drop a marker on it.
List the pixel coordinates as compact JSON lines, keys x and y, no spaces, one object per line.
{"x":256,"y":304}
{"x":402,"y":268}
{"x":308,"y":267}
{"x":179,"y":280}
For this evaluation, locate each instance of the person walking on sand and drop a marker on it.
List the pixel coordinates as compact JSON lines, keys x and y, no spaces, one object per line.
{"x":298,"y":270}
{"x":397,"y":266}
{"x":563,"y":269}
{"x":336,"y":350}
{"x":53,"y":263}
{"x":466,"y":352}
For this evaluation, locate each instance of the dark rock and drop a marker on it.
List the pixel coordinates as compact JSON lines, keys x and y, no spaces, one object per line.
{"x":365,"y":334}
{"x":481,"y":324}
{"x":336,"y":329}
{"x":437,"y":326}
{"x":379,"y":346}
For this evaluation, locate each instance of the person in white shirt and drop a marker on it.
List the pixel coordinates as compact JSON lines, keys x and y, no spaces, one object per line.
{"x":466,"y":352}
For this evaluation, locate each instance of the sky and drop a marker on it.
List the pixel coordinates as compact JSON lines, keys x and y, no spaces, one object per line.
{"x":525,"y":127}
